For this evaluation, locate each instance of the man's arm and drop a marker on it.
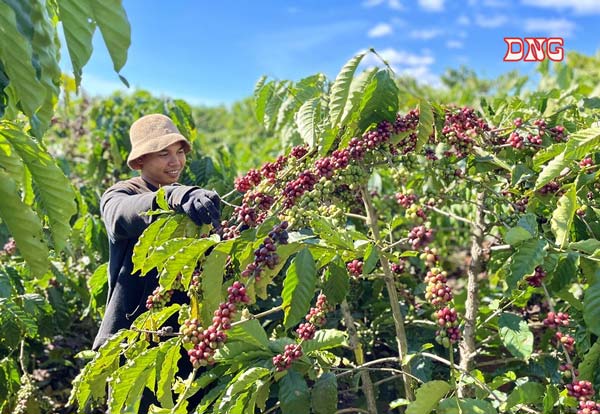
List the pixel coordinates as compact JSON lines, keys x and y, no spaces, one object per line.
{"x":121,"y":209}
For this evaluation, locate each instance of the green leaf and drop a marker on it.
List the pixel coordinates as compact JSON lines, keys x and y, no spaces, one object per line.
{"x":515,"y":335}
{"x":24,"y":225}
{"x":516,"y":235}
{"x":262,"y":94}
{"x":357,"y":90}
{"x":239,"y":384}
{"x":591,"y":300}
{"x":294,"y":394}
{"x":324,"y":394}
{"x":331,"y":234}
{"x":371,"y":258}
{"x":526,"y":229}
{"x":184,"y":262}
{"x":465,"y":406}
{"x":212,"y":279}
{"x":548,"y":153}
{"x":562,"y":217}
{"x":340,"y":89}
{"x":249,"y":332}
{"x":588,"y":246}
{"x":526,"y":393}
{"x":379,"y":102}
{"x":552,"y":170}
{"x":550,"y":398}
{"x":425,"y":127}
{"x":53,"y":190}
{"x":324,"y":339}
{"x":112,"y":21}
{"x":527,"y":256}
{"x":588,"y":367}
{"x":580,"y":144}
{"x":16,"y":55}
{"x":90,"y":383}
{"x":135,"y":374}
{"x":298,"y":287}
{"x":166,"y":371}
{"x":162,"y":229}
{"x":307,"y":119}
{"x":78,"y":29}
{"x":428,"y":396}
{"x":337,"y":283}
{"x":13,"y":312}
{"x":565,"y":271}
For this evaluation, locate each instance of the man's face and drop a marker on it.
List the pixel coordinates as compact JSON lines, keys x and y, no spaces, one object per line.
{"x":163,"y":167}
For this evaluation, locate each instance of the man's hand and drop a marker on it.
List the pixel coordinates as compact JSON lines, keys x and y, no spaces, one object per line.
{"x":202,"y":206}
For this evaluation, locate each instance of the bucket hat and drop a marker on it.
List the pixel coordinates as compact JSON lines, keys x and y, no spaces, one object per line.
{"x":153,"y":133}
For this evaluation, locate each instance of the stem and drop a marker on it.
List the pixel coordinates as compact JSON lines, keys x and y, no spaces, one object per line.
{"x":467,"y":345}
{"x":393,"y":296}
{"x":259,"y":315}
{"x":367,"y":384}
{"x":22,"y":357}
{"x":358,"y":216}
{"x":449,"y":363}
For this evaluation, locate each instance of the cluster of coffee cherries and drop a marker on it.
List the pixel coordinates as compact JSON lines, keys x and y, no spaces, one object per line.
{"x":406,"y":199}
{"x":266,"y":255}
{"x":159,"y":298}
{"x":420,"y":236}
{"x":10,"y":247}
{"x":588,"y":407}
{"x":449,"y":331}
{"x":460,"y":127}
{"x":537,"y":277}
{"x":437,"y":292}
{"x":314,"y":319}
{"x":556,"y":320}
{"x":306,"y":331}
{"x":550,"y":188}
{"x":355,"y":268}
{"x":407,"y":123}
{"x":580,"y":389}
{"x":207,"y":341}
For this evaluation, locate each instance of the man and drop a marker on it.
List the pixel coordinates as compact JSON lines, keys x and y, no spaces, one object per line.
{"x":158,"y":151}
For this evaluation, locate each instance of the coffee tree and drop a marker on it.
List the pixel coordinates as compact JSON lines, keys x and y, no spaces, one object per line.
{"x":437,"y":259}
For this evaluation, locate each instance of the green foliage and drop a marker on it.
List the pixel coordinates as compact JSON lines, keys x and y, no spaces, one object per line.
{"x":516,"y":335}
{"x":428,"y":397}
{"x":298,"y":287}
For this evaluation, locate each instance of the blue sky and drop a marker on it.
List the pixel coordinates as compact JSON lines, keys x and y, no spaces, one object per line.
{"x":213,"y":52}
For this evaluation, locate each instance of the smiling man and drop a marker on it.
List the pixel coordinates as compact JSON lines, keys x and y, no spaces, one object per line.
{"x":158,"y":151}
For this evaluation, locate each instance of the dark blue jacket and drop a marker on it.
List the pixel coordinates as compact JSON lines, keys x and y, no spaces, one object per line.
{"x":120,"y":207}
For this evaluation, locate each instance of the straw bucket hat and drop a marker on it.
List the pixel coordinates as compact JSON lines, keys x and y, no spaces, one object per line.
{"x":153,"y":133}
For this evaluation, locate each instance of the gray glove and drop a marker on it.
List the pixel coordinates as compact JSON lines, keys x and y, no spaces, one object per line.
{"x":202,"y":206}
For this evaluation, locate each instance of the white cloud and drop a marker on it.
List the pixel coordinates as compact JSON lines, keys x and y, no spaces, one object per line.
{"x":490,"y":22}
{"x":432,"y":5}
{"x":380,"y":30}
{"x":392,"y":4}
{"x":407,"y":64}
{"x":423,"y":75}
{"x":454,"y":44}
{"x":425,"y":34}
{"x":400,"y":57}
{"x":578,"y":6}
{"x":464,"y":20}
{"x":554,"y":27}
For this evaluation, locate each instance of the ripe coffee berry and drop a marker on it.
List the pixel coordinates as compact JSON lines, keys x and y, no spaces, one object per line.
{"x":355,"y":267}
{"x":291,"y":353}
{"x":537,"y":278}
{"x":556,"y":320}
{"x":588,"y":407}
{"x":582,"y":390}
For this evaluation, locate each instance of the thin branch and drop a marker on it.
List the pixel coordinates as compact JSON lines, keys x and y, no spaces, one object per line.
{"x":358,"y":216}
{"x":401,"y":339}
{"x":22,"y":357}
{"x":467,"y":373}
{"x":396,"y":243}
{"x":367,"y":384}
{"x":259,"y":315}
{"x":454,"y":216}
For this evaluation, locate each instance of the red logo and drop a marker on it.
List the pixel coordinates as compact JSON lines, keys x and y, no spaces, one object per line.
{"x":534,"y":49}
